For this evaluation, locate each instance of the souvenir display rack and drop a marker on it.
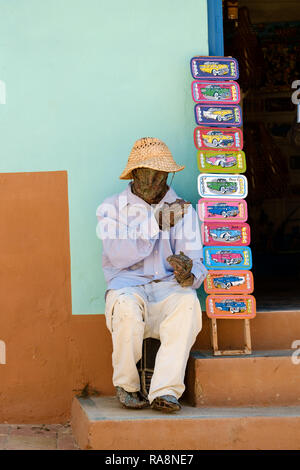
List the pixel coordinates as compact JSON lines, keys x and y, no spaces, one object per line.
{"x":222,"y":208}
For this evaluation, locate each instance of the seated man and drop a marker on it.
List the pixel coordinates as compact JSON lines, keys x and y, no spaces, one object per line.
{"x":152,"y":262}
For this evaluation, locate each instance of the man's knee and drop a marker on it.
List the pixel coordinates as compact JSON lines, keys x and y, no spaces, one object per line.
{"x":188,"y":307}
{"x":127,"y":307}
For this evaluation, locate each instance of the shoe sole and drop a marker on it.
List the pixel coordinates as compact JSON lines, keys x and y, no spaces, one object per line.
{"x":136,"y":406}
{"x":162,"y":405}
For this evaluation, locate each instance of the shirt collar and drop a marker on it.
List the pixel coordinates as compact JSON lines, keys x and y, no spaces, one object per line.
{"x":127,"y":197}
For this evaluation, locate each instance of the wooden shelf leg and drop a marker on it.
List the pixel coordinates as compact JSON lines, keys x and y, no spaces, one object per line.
{"x":247,"y":336}
{"x":214,"y":340}
{"x":214,"y":335}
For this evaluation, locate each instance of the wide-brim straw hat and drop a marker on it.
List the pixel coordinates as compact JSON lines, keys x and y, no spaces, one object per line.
{"x":150,"y":152}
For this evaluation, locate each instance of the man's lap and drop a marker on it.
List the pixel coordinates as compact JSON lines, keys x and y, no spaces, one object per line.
{"x":152,"y":297}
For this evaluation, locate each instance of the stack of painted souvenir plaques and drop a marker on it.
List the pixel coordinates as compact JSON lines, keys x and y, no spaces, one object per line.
{"x":222,"y":188}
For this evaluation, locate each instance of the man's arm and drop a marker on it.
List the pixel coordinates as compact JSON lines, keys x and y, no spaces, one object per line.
{"x":188,"y":241}
{"x":126,"y":243}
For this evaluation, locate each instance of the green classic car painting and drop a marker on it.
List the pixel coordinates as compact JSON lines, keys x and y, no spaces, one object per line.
{"x":222,"y":186}
{"x":215,"y":92}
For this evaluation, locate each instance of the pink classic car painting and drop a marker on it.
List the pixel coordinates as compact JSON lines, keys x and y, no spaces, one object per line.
{"x":222,"y":160}
{"x":227,"y":258}
{"x":237,"y":257}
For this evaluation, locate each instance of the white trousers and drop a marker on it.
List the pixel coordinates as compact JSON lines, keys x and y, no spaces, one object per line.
{"x":162,"y":310}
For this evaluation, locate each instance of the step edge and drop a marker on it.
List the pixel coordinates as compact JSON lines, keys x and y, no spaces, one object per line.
{"x":199,"y":354}
{"x":266,"y":310}
{"x":213,"y":412}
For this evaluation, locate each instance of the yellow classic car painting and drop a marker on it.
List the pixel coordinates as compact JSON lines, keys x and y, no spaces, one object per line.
{"x":217,"y":139}
{"x":214,"y":68}
{"x":218,"y":114}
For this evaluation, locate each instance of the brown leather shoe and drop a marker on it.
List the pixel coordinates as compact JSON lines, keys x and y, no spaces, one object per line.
{"x":166,"y":403}
{"x":131,"y":399}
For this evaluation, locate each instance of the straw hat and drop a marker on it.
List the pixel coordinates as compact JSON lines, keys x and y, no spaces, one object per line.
{"x":150,"y":152}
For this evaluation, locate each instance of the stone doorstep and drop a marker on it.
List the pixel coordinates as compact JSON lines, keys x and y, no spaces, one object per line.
{"x":264,"y":378}
{"x":101,"y":423}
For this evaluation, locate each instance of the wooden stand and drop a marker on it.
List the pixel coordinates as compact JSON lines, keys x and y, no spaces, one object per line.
{"x":233,"y":352}
{"x":146,"y":365}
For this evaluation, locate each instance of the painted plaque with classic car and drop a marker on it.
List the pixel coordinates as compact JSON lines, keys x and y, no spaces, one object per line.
{"x":214,"y":115}
{"x":212,"y":92}
{"x":221,"y":257}
{"x":221,"y":161}
{"x":220,"y":233}
{"x":223,"y":187}
{"x":229,"y":282}
{"x":230,"y":306}
{"x":218,"y":68}
{"x":218,"y":139}
{"x":234,"y":210}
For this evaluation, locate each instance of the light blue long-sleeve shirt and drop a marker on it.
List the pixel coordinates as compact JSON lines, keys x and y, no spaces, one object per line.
{"x":135,"y":250}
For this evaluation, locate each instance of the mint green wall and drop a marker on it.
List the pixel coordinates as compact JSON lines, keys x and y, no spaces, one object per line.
{"x":84,"y":79}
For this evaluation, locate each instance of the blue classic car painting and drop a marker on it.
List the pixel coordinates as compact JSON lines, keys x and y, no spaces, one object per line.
{"x":226,"y":282}
{"x":231,"y":306}
{"x":223,"y":209}
{"x":225,"y":234}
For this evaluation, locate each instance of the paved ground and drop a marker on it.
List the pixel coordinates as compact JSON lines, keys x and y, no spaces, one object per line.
{"x":36,"y":437}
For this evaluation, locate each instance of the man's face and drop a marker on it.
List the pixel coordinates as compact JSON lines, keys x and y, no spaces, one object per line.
{"x":150,"y":185}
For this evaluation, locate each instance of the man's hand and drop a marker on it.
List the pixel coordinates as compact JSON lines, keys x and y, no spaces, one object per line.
{"x":182,"y":266}
{"x":170,"y":213}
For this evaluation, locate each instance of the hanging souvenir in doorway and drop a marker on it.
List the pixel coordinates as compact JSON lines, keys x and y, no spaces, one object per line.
{"x":222,"y":233}
{"x":221,"y":161}
{"x":212,"y":92}
{"x":230,"y":306}
{"x":223,"y":115}
{"x":223,"y":187}
{"x":218,"y":68}
{"x":234,"y":210}
{"x":220,"y":257}
{"x":229,"y":282}
{"x":218,"y":139}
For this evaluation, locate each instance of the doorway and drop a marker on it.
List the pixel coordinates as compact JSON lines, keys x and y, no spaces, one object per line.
{"x":264,"y":38}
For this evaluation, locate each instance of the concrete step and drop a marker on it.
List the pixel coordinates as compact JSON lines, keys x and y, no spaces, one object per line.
{"x":101,"y":423}
{"x":264,"y":378}
{"x":269,"y":330}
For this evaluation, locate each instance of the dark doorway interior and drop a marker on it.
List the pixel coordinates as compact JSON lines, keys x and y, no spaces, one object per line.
{"x":264,"y":37}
